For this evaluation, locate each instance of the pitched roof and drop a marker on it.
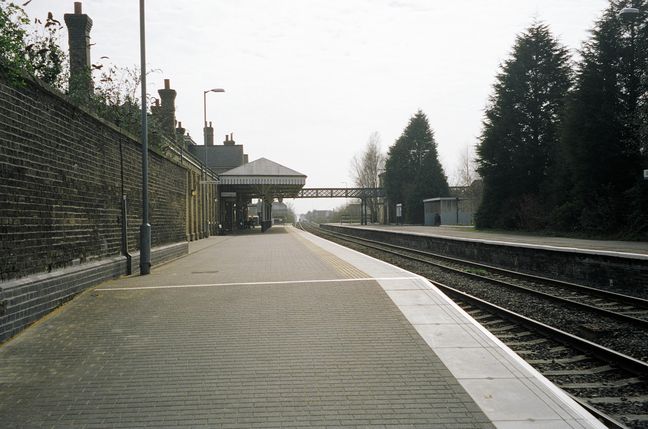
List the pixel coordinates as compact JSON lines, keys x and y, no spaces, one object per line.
{"x":263,"y":167}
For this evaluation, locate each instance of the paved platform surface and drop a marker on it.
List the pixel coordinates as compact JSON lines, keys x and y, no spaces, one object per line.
{"x":462,"y":232}
{"x":272,"y":330}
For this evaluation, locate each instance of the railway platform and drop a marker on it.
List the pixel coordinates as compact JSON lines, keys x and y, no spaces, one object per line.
{"x":636,"y":249}
{"x":281,"y":329}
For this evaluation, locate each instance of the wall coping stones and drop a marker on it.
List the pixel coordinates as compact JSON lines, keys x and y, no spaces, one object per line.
{"x":25,"y":300}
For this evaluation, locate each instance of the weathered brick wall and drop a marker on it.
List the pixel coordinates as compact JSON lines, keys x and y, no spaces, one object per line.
{"x":60,"y":187}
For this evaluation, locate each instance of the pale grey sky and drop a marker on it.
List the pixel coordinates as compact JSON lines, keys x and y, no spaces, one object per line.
{"x":307,"y":81}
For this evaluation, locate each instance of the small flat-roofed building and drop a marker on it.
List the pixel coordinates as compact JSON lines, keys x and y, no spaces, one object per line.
{"x":450,"y":211}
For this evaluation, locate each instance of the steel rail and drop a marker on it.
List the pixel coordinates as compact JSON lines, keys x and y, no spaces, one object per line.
{"x":377,"y":246}
{"x":609,"y":421}
{"x":628,"y":363}
{"x":628,"y":299}
{"x":620,"y":360}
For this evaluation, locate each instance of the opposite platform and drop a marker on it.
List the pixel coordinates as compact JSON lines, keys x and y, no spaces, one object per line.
{"x":274,"y":330}
{"x":631,"y":249}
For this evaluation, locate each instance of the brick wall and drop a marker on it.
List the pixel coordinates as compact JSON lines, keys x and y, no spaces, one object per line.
{"x":60,"y":187}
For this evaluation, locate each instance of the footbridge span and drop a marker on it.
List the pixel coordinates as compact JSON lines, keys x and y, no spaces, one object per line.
{"x":267,"y":180}
{"x":363,"y":194}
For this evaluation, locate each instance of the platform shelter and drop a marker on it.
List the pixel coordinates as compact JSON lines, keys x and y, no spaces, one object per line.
{"x":263,"y":179}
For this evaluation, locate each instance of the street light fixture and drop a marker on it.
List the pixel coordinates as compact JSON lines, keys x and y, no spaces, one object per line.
{"x":206,"y":198}
{"x":145,"y":228}
{"x":205,"y":102}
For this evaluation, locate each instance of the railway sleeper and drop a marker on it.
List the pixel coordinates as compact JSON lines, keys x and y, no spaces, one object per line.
{"x":603,"y":385}
{"x":506,"y":328}
{"x":617,"y":400}
{"x":580,"y":371}
{"x":527,"y":343}
{"x":573,"y":359}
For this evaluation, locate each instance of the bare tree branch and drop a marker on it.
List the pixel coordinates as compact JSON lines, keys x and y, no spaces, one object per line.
{"x":366,"y":167}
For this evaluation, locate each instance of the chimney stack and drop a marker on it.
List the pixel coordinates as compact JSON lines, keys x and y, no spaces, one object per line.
{"x":167,"y":109}
{"x":229,"y":139}
{"x":180,"y":137}
{"x":179,"y":129}
{"x":79,"y":26}
{"x":209,"y":135}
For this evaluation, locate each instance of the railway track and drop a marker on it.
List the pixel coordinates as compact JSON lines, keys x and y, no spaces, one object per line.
{"x":617,"y":321}
{"x":606,"y":379}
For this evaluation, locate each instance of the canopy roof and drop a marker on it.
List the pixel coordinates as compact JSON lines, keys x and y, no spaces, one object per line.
{"x":262,"y":177}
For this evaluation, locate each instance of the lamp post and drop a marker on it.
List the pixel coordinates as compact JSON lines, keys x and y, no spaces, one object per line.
{"x":205,"y":141}
{"x":205,"y":102}
{"x":145,"y":228}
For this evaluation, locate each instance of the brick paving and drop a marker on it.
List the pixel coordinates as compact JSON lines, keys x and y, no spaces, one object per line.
{"x":334,"y":354}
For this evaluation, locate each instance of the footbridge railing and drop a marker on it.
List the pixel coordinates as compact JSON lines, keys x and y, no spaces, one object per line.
{"x":361,"y":193}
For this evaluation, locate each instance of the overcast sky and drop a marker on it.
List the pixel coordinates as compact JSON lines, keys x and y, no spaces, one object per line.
{"x":307,"y":81}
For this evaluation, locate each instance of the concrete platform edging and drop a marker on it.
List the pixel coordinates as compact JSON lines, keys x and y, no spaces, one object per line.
{"x":507,"y":389}
{"x":25,"y":300}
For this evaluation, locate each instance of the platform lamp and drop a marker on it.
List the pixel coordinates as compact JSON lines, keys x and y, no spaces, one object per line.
{"x":205,"y":138}
{"x":145,"y":228}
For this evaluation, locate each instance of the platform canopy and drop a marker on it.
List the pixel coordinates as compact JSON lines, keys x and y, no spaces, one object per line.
{"x":261,"y":178}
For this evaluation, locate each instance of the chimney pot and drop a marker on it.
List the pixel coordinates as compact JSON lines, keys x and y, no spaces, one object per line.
{"x":229,"y":140}
{"x":209,"y":136}
{"x":167,"y":108}
{"x":79,"y":26}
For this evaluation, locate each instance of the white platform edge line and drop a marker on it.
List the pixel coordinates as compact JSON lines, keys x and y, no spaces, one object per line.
{"x":573,"y":407}
{"x":346,"y":280}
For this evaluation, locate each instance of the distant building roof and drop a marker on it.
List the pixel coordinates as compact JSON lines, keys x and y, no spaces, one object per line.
{"x":220,"y":158}
{"x":428,"y":200}
{"x":262,"y":171}
{"x":262,"y":178}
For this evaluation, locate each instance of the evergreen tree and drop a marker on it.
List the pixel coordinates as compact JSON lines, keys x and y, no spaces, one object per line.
{"x":602,"y":135}
{"x":413,"y":171}
{"x":521,"y":131}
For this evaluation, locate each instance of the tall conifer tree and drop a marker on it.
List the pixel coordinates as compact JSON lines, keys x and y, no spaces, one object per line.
{"x":521,"y":130}
{"x":602,"y":137}
{"x":413,"y":171}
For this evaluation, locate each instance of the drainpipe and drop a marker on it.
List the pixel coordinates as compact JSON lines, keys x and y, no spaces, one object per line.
{"x":124,"y":216}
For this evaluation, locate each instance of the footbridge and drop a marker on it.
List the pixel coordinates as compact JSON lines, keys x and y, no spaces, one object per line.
{"x":268,"y":180}
{"x":363,"y":194}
